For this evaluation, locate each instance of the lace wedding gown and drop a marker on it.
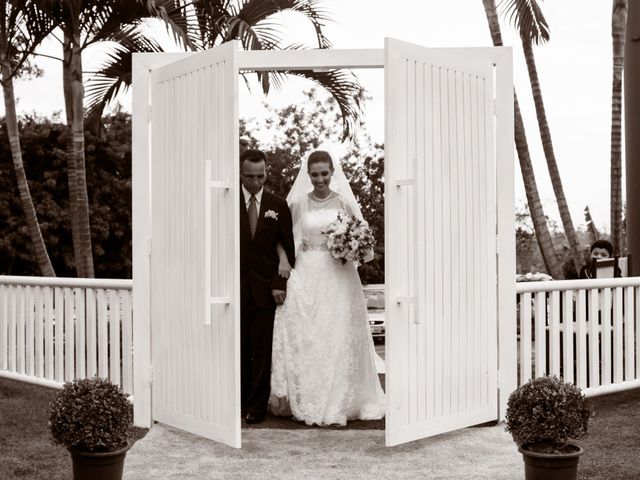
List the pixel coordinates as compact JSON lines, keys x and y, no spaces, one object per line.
{"x":323,"y":369}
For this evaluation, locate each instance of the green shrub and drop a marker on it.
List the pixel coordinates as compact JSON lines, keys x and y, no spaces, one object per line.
{"x":545,"y":413}
{"x":90,"y":414}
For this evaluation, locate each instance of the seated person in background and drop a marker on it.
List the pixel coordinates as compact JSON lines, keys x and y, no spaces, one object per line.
{"x":599,"y":249}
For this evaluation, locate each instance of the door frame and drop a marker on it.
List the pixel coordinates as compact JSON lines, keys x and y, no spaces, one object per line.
{"x":142,"y":66}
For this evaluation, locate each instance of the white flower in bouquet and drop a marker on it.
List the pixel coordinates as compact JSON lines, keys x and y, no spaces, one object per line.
{"x":349,"y":239}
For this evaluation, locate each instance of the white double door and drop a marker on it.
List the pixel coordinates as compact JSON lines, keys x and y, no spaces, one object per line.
{"x":441,"y":350}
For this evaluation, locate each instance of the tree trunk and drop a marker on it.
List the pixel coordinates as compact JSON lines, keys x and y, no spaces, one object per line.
{"x":547,"y":146}
{"x":632,"y":127}
{"x":545,"y":242}
{"x":11,"y":119}
{"x":618,"y":24}
{"x":538,"y":218}
{"x":78,"y":198}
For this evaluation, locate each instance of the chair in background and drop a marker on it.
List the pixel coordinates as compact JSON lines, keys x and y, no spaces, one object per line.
{"x":606,"y":267}
{"x":624,"y":264}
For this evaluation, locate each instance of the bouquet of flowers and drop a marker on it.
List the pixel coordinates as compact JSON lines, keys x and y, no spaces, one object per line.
{"x":350,"y":239}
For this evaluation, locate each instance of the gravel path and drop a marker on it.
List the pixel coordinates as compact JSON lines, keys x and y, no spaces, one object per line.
{"x":309,"y":454}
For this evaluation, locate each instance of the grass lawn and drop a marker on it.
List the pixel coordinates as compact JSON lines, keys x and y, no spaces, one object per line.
{"x":612,"y":447}
{"x":27,"y":449}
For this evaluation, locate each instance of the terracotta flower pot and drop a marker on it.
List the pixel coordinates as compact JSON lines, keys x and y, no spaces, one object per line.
{"x":98,"y":465}
{"x":551,"y":466}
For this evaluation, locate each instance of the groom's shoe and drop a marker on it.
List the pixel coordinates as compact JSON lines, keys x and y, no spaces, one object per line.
{"x":255,"y":418}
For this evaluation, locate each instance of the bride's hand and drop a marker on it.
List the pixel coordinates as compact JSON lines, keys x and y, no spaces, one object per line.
{"x":284,"y":268}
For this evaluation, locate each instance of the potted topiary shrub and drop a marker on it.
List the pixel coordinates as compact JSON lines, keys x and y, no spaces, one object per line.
{"x":543,"y":416}
{"x":92,"y":418}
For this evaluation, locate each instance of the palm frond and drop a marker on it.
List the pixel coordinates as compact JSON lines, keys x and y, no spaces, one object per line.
{"x":527,"y":18}
{"x":177,"y":17}
{"x":26,"y":27}
{"x":252,"y":37}
{"x":180,"y":18}
{"x":255,"y":11}
{"x":111,"y":17}
{"x":221,"y":20}
{"x":208,"y":14}
{"x":114,"y":76}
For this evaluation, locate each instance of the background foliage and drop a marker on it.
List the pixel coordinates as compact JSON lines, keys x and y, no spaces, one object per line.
{"x":108,"y":183}
{"x":287,"y":135}
{"x":528,"y":255}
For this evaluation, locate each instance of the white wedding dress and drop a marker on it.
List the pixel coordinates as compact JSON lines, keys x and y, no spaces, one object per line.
{"x":323,"y":368}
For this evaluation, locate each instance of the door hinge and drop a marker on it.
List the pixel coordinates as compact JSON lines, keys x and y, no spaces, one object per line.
{"x":150,"y":375}
{"x":149,"y":114}
{"x":149,"y":245}
{"x":498,"y":379}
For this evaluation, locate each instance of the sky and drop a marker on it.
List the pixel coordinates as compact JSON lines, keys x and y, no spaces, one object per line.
{"x":574,"y":70}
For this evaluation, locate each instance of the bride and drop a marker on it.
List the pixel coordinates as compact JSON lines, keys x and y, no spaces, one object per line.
{"x":323,"y":368}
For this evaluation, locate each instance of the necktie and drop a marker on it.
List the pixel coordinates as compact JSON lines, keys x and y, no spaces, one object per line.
{"x":253,"y":215}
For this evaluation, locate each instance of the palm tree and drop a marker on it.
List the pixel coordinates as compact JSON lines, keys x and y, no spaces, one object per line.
{"x":531,"y":189}
{"x":195,"y":24}
{"x":83,"y":23}
{"x":204,"y":24}
{"x":22,"y":28}
{"x":533,"y":29}
{"x":618,"y":25}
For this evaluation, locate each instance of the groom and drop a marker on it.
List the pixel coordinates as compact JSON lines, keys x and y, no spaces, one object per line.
{"x":265,"y":221}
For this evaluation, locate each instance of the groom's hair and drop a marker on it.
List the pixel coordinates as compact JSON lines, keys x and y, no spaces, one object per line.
{"x":253,"y":155}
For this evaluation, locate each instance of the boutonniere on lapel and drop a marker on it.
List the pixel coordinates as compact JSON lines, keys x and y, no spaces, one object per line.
{"x":271,"y":214}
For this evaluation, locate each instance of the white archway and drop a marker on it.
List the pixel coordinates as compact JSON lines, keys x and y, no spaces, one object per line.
{"x":449,"y":171}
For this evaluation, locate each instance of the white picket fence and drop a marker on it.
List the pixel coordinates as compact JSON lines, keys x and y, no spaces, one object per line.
{"x":53,"y":330}
{"x":585,"y":331}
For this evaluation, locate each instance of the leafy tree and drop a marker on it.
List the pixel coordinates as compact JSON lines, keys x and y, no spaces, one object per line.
{"x":298,"y":129}
{"x":108,"y":160}
{"x":109,"y":181}
{"x":528,"y":255}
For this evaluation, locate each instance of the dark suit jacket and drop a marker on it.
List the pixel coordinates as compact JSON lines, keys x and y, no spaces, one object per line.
{"x":259,"y":256}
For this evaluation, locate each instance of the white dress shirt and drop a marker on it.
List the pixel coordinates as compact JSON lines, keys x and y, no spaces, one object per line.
{"x":247,"y":197}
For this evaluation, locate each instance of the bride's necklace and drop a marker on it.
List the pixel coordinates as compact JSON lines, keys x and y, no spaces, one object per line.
{"x":320,"y":199}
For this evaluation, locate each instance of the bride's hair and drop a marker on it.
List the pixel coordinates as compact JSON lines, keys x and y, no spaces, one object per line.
{"x":319,"y":156}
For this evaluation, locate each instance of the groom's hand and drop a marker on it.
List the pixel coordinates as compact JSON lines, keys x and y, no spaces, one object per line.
{"x":279,"y":296}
